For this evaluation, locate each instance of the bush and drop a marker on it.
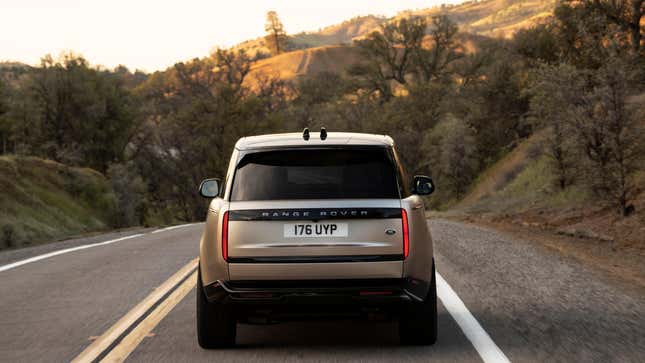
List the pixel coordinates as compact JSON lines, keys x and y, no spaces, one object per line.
{"x":8,"y":236}
{"x":129,"y":190}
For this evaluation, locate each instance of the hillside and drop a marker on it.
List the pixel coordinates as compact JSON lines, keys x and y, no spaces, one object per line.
{"x":519,"y":189}
{"x":43,"y":200}
{"x":518,"y":196}
{"x":497,"y":18}
{"x":305,"y":62}
{"x":338,"y":34}
{"x":328,"y":58}
{"x":330,"y":49}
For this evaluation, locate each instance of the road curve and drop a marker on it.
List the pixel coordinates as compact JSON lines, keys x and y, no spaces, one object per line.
{"x":534,"y":304}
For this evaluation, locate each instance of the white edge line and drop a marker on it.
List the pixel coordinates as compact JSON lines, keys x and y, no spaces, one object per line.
{"x":60,"y":252}
{"x":487,"y":349}
{"x":77,"y":248}
{"x":174,"y":227}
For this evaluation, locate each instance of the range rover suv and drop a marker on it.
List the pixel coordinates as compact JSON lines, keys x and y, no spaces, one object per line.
{"x":315,"y":225}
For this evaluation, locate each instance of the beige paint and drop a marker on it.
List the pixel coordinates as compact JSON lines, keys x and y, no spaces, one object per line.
{"x":366,"y":237}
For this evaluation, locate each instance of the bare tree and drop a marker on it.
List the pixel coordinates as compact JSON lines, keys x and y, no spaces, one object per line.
{"x":432,"y":63}
{"x":611,"y":135}
{"x":389,"y":55}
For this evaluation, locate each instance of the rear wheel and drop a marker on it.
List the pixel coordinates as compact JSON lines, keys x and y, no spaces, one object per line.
{"x":216,"y":322}
{"x":418,"y":322}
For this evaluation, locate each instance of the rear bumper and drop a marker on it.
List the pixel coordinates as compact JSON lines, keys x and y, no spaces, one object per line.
{"x":339,"y":292}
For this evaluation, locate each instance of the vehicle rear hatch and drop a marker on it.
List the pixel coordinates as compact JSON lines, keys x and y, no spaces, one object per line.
{"x":297,"y":210}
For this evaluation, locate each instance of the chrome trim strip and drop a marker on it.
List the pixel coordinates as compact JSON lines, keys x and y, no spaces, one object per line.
{"x":329,"y":244}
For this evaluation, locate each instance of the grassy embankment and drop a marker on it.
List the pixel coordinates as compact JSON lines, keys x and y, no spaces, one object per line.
{"x":517,"y":194}
{"x":41,"y":200}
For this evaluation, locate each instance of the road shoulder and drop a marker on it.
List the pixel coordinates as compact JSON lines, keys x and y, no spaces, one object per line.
{"x":621,"y":265}
{"x":535,"y":302}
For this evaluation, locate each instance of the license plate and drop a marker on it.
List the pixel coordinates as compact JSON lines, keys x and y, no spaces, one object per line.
{"x":299,"y":230}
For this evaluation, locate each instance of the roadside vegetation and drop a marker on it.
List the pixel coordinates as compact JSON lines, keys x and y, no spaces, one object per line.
{"x":552,"y":114}
{"x":44,"y":200}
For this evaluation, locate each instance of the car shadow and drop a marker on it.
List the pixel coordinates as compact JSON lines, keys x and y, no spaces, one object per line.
{"x":337,"y":333}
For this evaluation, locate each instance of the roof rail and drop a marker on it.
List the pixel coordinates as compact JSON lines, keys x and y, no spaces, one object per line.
{"x":323,"y":133}
{"x":305,"y":134}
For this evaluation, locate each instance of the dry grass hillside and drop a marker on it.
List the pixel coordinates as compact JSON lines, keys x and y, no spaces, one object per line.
{"x":495,"y":17}
{"x":330,"y":49}
{"x":329,"y":58}
{"x":337,"y":34}
{"x":498,"y":18}
{"x":343,"y":33}
{"x":305,"y":62}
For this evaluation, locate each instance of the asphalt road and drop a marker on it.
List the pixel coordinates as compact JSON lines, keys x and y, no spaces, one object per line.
{"x":534,"y":304}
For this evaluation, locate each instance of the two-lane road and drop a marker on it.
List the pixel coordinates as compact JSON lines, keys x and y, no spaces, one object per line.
{"x":533,"y":304}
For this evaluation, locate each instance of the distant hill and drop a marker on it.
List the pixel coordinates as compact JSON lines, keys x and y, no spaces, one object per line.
{"x":330,"y":49}
{"x":10,"y":65}
{"x":305,"y":62}
{"x":497,"y":18}
{"x":11,"y":71}
{"x":327,"y":58}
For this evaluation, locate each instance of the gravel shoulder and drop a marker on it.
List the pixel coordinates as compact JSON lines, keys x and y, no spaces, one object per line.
{"x":537,"y":304}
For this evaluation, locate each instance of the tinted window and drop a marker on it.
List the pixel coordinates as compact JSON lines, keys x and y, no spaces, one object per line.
{"x":315,"y":174}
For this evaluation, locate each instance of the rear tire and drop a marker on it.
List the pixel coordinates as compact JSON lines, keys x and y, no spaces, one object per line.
{"x":216,"y":322}
{"x":418,"y":322}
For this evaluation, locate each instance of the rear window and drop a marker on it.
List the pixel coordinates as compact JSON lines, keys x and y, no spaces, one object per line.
{"x":315,"y":174}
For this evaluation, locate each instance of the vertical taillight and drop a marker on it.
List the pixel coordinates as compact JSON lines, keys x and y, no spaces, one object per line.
{"x":406,"y":233}
{"x":225,"y":236}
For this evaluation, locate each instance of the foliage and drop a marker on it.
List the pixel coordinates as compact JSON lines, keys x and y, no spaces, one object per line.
{"x":454,"y":103}
{"x":593,"y":131}
{"x":554,"y":87}
{"x":389,"y":55}
{"x":129,"y":189}
{"x":626,"y":15}
{"x":276,"y":38}
{"x":452,"y":152}
{"x":44,"y":200}
{"x":195,"y":112}
{"x":72,"y":113}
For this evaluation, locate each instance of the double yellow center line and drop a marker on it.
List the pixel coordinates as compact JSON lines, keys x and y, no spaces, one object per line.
{"x":123,"y":337}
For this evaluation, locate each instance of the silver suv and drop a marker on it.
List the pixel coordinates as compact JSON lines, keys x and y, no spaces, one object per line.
{"x":315,"y":225}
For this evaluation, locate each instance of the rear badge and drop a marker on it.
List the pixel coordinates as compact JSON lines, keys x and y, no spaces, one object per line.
{"x":390,"y":231}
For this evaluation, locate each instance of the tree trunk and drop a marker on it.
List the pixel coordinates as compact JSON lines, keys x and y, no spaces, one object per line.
{"x":637,"y":14}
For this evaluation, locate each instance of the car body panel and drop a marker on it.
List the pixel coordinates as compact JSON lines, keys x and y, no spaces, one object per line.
{"x":256,"y":235}
{"x":253,"y":241}
{"x":296,"y":140}
{"x":315,"y":271}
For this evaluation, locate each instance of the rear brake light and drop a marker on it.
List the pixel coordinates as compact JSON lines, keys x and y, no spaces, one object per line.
{"x":225,"y":236}
{"x":406,"y":233}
